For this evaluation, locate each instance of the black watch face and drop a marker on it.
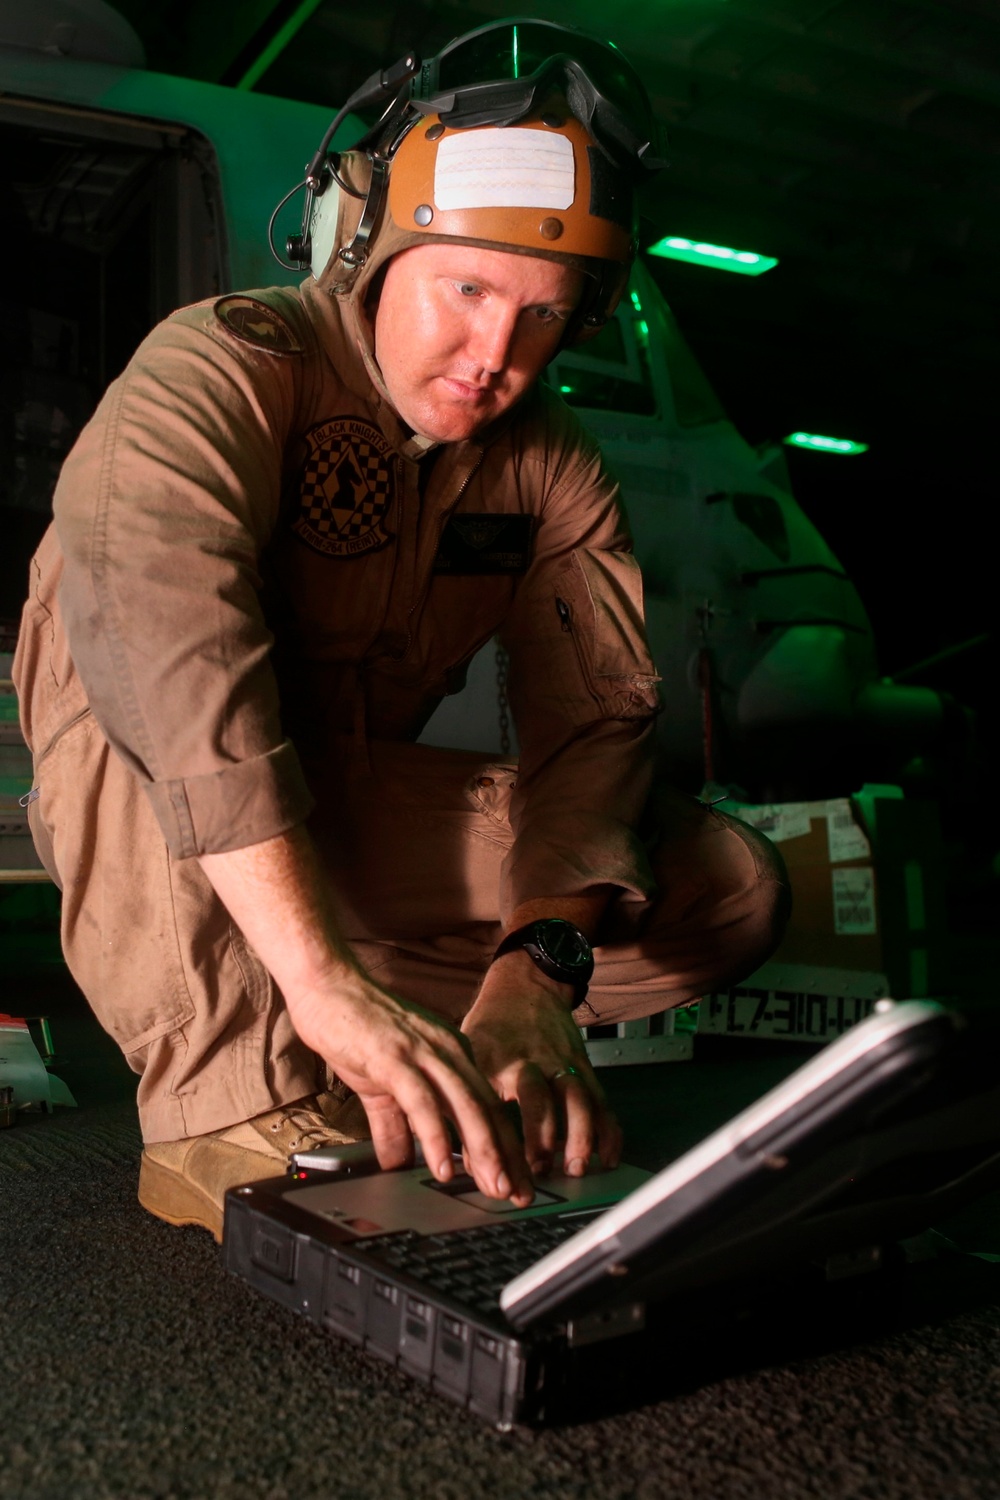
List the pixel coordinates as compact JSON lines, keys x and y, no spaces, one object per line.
{"x":563,"y":943}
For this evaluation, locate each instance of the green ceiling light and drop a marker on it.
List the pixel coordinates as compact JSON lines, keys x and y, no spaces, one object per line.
{"x":720,"y":257}
{"x":824,"y":444}
{"x":277,"y":43}
{"x":640,"y":324}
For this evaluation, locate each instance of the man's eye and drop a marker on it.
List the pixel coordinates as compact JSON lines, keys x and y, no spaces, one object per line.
{"x":468,"y":289}
{"x":548,"y":314}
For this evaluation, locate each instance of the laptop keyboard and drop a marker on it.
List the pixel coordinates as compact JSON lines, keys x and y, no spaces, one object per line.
{"x":474,"y":1265}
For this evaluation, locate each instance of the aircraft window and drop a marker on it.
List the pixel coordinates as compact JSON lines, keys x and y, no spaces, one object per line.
{"x":695,"y":403}
{"x":611,"y":371}
{"x":108,"y":226}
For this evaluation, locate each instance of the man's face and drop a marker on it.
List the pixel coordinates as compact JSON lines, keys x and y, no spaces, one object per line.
{"x":461,"y":333}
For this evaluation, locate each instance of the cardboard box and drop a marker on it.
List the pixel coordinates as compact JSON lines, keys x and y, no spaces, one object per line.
{"x":867,"y":919}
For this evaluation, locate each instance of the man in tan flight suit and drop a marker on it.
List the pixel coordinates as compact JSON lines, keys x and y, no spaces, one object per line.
{"x":288,"y":528}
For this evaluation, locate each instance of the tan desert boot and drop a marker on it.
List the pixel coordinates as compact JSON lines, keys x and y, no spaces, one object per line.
{"x":185,"y":1182}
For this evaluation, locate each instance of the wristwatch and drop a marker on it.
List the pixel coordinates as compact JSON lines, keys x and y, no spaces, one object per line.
{"x":558,"y":948}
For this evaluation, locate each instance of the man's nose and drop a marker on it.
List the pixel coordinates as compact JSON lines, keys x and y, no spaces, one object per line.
{"x":494,"y":338}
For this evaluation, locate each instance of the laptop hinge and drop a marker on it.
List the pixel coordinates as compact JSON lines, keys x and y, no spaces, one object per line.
{"x":612,"y":1323}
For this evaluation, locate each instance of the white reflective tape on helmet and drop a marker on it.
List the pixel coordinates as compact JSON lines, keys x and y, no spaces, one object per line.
{"x":504,"y":168}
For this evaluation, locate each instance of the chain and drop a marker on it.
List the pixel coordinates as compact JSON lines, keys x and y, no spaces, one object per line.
{"x":706,"y":685}
{"x":503,"y":665}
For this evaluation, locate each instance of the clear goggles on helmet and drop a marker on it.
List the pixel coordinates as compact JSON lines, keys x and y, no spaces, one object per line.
{"x":496,"y":74}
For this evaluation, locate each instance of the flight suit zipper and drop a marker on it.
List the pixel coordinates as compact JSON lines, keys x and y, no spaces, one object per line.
{"x":582,"y":650}
{"x":444,"y":519}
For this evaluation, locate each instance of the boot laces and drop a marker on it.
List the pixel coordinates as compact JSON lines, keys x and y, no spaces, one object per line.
{"x":313,"y":1127}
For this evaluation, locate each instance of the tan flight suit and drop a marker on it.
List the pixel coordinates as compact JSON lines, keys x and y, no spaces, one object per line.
{"x":254,"y":593}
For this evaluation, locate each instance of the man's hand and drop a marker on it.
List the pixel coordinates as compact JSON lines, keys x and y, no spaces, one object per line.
{"x":526,"y":1042}
{"x":412,"y":1071}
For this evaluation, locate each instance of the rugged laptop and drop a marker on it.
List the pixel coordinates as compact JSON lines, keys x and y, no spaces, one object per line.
{"x":871,"y":1140}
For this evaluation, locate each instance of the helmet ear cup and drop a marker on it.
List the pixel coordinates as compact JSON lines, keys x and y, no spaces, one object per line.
{"x":334,"y":219}
{"x":324,"y":222}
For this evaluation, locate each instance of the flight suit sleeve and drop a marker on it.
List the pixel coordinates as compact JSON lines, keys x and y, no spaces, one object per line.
{"x":162,"y":511}
{"x":583,"y":690}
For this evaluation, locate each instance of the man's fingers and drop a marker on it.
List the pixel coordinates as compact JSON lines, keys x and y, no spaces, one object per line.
{"x":390,"y":1051}
{"x":491,"y":1147}
{"x":580,"y":1107}
{"x":391,"y":1133}
{"x":568,"y":1106}
{"x":590,"y":1124}
{"x":448,"y":1085}
{"x":609,"y":1141}
{"x":540,"y":1118}
{"x":421,"y":1110}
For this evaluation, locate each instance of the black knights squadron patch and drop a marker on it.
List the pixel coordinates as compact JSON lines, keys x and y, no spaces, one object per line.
{"x":347,"y":489}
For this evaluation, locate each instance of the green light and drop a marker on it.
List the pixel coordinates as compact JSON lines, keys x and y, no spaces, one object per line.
{"x":566,"y":389}
{"x":719,"y":257}
{"x":824,"y":444}
{"x":635,"y":301}
{"x":516,"y":73}
{"x":278,"y":43}
{"x":644,"y":328}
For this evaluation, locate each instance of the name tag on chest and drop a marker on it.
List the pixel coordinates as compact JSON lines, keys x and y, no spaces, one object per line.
{"x":485,"y":543}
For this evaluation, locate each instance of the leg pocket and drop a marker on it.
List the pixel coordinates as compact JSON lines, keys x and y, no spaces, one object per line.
{"x":118,"y":923}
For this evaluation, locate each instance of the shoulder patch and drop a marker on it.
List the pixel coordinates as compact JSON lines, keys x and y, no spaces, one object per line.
{"x":255,"y":323}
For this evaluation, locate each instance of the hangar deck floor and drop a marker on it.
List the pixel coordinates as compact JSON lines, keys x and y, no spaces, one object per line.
{"x":136,"y":1366}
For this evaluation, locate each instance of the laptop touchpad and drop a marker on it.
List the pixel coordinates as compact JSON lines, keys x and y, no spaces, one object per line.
{"x":463,"y":1189}
{"x":388,"y":1201}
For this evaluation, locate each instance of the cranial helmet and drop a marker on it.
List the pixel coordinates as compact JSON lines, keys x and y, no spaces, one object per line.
{"x":522,"y":136}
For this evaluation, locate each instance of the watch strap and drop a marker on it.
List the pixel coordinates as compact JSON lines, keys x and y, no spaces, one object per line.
{"x":529,"y":938}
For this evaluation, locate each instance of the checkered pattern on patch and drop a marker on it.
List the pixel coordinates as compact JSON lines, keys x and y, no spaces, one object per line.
{"x":364,"y":518}
{"x":318,"y":508}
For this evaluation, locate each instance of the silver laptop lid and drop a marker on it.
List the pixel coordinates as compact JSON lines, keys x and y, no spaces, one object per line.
{"x":831,"y":1093}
